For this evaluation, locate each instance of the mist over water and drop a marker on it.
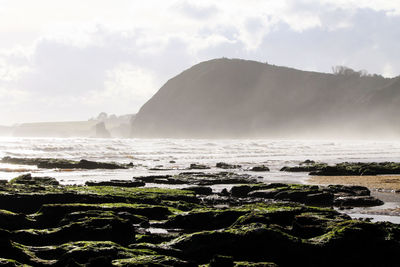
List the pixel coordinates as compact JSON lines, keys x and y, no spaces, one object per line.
{"x":158,"y":153}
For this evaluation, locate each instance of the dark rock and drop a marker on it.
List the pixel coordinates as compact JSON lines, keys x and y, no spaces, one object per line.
{"x":224,"y":192}
{"x":266,"y":193}
{"x":90,"y":229}
{"x":359,"y":168}
{"x":244,"y":190}
{"x":357,"y":201}
{"x":200,"y":190}
{"x":307,"y":166}
{"x":224,"y":165}
{"x":151,"y":178}
{"x":324,"y":199}
{"x":120,"y":183}
{"x":195,"y":166}
{"x":86,"y":164}
{"x":50,"y":163}
{"x":348,"y":190}
{"x":128,"y":226}
{"x":261,"y":168}
{"x":240,"y":190}
{"x":27,"y":179}
{"x":199,"y":178}
{"x":13,"y":221}
{"x":205,"y":220}
{"x":221,"y":261}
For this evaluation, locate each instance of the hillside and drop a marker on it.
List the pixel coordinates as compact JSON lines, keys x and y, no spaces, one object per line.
{"x":239,"y":98}
{"x":102,"y":126}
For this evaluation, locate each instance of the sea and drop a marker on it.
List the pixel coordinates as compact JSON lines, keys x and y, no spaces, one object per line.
{"x":172,"y":156}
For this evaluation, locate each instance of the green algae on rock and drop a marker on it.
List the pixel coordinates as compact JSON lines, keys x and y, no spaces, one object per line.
{"x":346,"y":168}
{"x":43,"y":224}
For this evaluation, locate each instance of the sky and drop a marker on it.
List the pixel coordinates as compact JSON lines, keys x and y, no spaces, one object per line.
{"x":65,"y":60}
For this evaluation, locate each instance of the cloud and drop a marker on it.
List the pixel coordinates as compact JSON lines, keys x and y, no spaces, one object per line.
{"x":114,"y":57}
{"x":195,"y":11}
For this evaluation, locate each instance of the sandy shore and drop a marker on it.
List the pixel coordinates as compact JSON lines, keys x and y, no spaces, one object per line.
{"x":387,"y":182}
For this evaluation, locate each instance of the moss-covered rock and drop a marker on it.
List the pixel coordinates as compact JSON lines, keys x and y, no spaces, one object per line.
{"x":346,"y":168}
{"x":200,"y":178}
{"x":91,"y":229}
{"x":11,"y":221}
{"x":151,"y":260}
{"x":115,"y":225}
{"x":27,"y":179}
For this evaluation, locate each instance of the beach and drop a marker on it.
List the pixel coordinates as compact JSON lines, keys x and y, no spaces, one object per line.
{"x":378,"y":182}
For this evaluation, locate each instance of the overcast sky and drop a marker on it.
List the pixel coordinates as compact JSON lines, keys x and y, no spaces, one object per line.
{"x":71,"y":59}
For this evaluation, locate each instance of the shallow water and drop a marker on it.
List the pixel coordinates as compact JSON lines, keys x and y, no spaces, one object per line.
{"x":151,"y":153}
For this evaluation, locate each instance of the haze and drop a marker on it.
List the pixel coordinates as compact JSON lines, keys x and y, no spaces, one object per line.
{"x":70,"y":60}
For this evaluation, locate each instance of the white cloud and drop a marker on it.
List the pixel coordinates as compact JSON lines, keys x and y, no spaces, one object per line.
{"x":75,"y":57}
{"x":126,"y":85}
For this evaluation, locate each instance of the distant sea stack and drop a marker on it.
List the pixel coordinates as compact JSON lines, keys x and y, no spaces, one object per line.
{"x":240,"y":98}
{"x":101,"y":131}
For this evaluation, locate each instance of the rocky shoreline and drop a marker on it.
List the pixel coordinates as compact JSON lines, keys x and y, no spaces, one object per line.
{"x":122,"y":223}
{"x":346,"y":168}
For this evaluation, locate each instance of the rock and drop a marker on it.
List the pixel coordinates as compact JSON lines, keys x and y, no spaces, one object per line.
{"x":359,"y":168}
{"x":224,"y":165}
{"x":357,"y":201}
{"x":120,"y":183}
{"x":240,"y":190}
{"x":50,"y":163}
{"x":101,"y":131}
{"x":129,"y":226}
{"x":9,"y":263}
{"x":261,"y":168}
{"x":152,"y":260}
{"x":89,"y":229}
{"x":27,"y":179}
{"x":220,"y":261}
{"x":306,"y":166}
{"x":244,"y":190}
{"x":254,"y":264}
{"x":86,"y":164}
{"x":322,"y":199}
{"x":151,"y":178}
{"x":195,"y":166}
{"x":199,"y":179}
{"x":266,"y":193}
{"x":205,"y":219}
{"x":12,"y":221}
{"x":224,"y":192}
{"x":349,"y":190}
{"x":200,"y":190}
{"x":250,"y":241}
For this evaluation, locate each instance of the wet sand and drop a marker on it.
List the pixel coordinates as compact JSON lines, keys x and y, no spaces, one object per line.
{"x":386,"y":182}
